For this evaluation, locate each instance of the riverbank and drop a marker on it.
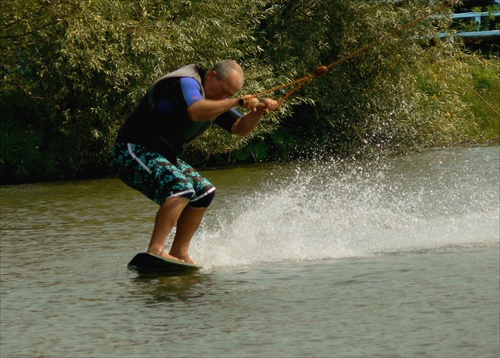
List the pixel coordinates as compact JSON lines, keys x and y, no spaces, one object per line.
{"x":63,"y":104}
{"x":22,"y":159}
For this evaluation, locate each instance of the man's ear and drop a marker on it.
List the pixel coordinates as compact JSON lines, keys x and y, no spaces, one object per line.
{"x":212,"y":74}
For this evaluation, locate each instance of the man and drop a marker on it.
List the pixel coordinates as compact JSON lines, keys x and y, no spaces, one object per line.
{"x":177,"y":108}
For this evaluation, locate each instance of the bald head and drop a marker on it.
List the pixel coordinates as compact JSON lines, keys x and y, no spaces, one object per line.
{"x":224,"y":80}
{"x":225,"y":68}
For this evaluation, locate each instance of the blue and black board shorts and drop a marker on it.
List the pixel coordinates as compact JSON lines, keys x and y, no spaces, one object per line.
{"x":156,"y":177}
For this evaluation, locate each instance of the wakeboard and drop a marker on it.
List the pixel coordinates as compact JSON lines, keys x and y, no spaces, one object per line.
{"x":146,"y":263}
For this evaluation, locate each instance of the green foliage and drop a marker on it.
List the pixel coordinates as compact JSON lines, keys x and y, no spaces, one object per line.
{"x":482,"y":92}
{"x":82,"y":66}
{"x":71,"y":70}
{"x":375,"y":100}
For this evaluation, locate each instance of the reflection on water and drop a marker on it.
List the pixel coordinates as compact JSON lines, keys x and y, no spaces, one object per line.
{"x":170,"y":288}
{"x":391,"y":257}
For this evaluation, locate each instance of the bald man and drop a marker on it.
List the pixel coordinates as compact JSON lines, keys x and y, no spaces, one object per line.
{"x":177,"y":109}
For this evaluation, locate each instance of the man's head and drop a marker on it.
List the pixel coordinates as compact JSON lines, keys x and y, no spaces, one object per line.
{"x":224,"y":80}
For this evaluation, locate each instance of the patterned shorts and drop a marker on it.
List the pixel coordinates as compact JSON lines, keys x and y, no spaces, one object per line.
{"x":159,"y":179}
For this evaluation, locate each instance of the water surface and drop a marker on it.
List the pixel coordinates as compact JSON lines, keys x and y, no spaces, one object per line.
{"x":395,"y":257}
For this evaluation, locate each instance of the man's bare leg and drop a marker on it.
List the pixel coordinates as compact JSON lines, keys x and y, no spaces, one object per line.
{"x":187,"y":224}
{"x":166,"y":218}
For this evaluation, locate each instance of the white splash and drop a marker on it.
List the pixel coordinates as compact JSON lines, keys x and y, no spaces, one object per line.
{"x":335,"y":210}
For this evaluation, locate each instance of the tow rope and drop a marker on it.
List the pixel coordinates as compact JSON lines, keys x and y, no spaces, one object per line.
{"x":322,"y":70}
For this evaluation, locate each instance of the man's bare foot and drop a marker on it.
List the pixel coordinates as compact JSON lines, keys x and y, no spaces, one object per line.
{"x":165,"y":255}
{"x":190,"y":260}
{"x":183,"y":258}
{"x":170,"y":256}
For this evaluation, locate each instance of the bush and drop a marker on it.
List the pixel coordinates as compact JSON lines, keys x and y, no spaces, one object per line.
{"x":82,"y":66}
{"x":72,"y":70}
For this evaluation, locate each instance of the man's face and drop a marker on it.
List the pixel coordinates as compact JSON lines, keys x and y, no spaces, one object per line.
{"x":222,"y":89}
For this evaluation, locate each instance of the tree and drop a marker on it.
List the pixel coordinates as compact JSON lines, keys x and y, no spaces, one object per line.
{"x":73,"y":69}
{"x":396,"y":95}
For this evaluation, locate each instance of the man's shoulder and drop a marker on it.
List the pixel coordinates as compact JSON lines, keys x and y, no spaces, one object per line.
{"x":187,"y":71}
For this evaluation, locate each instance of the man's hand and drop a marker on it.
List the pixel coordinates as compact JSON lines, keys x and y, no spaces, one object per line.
{"x":248,"y":122}
{"x":253,"y":104}
{"x":270,"y":105}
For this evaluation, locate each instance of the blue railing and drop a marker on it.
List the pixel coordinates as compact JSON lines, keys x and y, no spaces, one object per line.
{"x":477,"y":16}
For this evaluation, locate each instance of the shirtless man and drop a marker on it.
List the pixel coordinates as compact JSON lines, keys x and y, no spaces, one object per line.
{"x":178,"y":108}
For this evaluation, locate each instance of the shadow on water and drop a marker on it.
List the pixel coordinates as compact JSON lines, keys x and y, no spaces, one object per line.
{"x":174,"y":287}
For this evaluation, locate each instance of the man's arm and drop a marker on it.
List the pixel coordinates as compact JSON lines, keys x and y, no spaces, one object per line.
{"x":248,"y":122}
{"x":207,"y":110}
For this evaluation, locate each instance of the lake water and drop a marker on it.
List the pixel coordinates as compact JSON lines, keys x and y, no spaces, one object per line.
{"x":396,"y":257}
